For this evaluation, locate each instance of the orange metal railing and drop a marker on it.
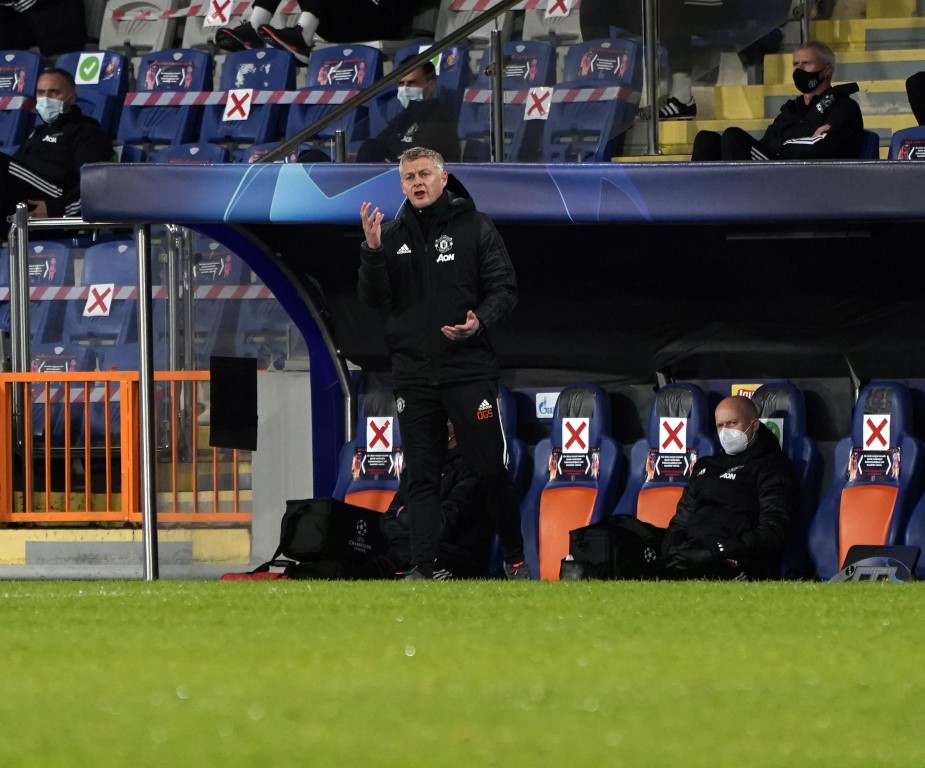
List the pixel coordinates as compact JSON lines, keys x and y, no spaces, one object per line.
{"x":67,"y":456}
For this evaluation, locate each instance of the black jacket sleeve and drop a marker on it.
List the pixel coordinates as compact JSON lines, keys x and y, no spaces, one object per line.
{"x":373,"y":286}
{"x":496,"y":274}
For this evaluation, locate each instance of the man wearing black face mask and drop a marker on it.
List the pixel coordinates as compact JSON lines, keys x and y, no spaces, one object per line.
{"x":823,"y":123}
{"x":733,"y":516}
{"x":44,"y":172}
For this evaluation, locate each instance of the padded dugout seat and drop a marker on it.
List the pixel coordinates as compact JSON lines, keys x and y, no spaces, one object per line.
{"x":576,"y":476}
{"x":679,"y":433}
{"x":782,"y":408}
{"x":371,"y":464}
{"x":878,"y":479}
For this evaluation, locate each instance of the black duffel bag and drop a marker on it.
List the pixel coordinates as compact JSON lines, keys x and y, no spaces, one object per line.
{"x":617,"y":547}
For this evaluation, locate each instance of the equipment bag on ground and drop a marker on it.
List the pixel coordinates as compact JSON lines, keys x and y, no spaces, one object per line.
{"x":618,"y":547}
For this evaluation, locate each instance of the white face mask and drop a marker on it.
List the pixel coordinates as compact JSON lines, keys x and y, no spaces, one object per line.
{"x":49,"y":109}
{"x":407,"y":94}
{"x":733,"y":440}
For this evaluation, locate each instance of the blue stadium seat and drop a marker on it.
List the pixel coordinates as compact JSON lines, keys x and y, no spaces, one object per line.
{"x":584,"y":124}
{"x":254,"y":152}
{"x":101,"y":320}
{"x":782,"y":408}
{"x":679,"y":433}
{"x":215,"y":318}
{"x":878,"y":479}
{"x":194,"y":153}
{"x":174,"y":71}
{"x":870,"y":146}
{"x":49,"y":266}
{"x":260,"y":69}
{"x":371,"y":464}
{"x":19,"y":74}
{"x":576,"y":477}
{"x":59,"y":357}
{"x":526,"y":64}
{"x":333,"y":72}
{"x":908,"y":144}
{"x":101,"y":84}
{"x":267,"y":333}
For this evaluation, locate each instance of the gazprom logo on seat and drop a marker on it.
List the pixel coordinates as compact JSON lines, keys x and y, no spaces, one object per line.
{"x":545,"y":404}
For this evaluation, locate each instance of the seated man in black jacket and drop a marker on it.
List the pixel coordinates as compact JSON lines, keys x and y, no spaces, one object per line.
{"x":44,"y":172}
{"x":423,"y":122}
{"x":823,"y":123}
{"x":464,"y":540}
{"x":733,"y":517}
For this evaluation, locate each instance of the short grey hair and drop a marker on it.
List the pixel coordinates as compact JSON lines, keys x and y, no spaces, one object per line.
{"x":416,"y":153}
{"x":821,"y":50}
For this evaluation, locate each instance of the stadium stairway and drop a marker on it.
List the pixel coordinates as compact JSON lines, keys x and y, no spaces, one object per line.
{"x":878,"y":47}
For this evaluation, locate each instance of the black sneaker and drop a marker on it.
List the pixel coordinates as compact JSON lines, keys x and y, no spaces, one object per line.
{"x":675,"y":110}
{"x":414,"y":575}
{"x":238,"y":38}
{"x":287,"y":38}
{"x":517,"y":571}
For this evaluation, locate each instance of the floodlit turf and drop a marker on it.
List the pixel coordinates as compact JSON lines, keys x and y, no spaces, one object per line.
{"x":227,"y":674}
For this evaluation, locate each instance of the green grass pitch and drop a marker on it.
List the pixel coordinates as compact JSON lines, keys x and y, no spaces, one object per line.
{"x":226,"y":674}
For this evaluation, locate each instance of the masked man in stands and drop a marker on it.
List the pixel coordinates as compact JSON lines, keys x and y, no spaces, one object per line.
{"x":823,"y":123}
{"x":733,"y":517}
{"x":44,"y":172}
{"x":423,"y":122}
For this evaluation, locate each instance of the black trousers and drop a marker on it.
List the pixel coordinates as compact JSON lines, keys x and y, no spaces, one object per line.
{"x":18,"y":184}
{"x":351,"y":21}
{"x":733,"y":144}
{"x":55,"y":26}
{"x":473,"y":408}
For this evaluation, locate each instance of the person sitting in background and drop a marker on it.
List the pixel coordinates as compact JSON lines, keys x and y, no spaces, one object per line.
{"x":824,"y":122}
{"x":423,"y":122}
{"x":734,"y":514}
{"x":915,"y":92}
{"x":44,"y":172}
{"x":464,"y":537}
{"x":53,"y":26}
{"x":336,"y":21}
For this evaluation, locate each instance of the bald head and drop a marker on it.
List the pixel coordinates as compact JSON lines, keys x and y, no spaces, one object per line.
{"x":736,"y":412}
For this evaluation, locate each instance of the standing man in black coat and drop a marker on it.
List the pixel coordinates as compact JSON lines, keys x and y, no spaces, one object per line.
{"x":441,"y":272}
{"x":823,"y":123}
{"x":733,"y":517}
{"x":44,"y":172}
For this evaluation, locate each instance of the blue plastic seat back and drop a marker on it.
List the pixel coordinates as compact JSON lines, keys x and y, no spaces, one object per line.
{"x":194,"y":153}
{"x":526,"y":64}
{"x":19,"y":74}
{"x":215,"y":316}
{"x":782,"y":408}
{"x":102,"y":80}
{"x":49,"y":266}
{"x":577,"y":472}
{"x":267,"y":333}
{"x":102,"y":319}
{"x":259,"y":69}
{"x":586,"y":131}
{"x":371,"y":465}
{"x":332,"y":73}
{"x":175,"y":70}
{"x":908,"y":144}
{"x":609,"y":61}
{"x":59,"y":357}
{"x":679,"y":433}
{"x":870,"y":145}
{"x":878,"y":471}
